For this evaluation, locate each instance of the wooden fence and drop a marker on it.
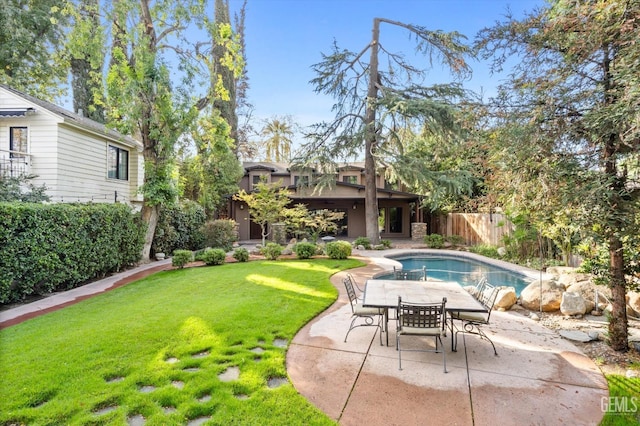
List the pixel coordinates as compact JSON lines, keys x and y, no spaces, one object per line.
{"x":474,"y":228}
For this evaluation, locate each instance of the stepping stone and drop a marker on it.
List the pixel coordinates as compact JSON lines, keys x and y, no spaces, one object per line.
{"x":169,"y":410}
{"x":147,"y":389}
{"x":275,"y":382}
{"x":191,"y":369}
{"x":105,"y":410}
{"x":280,"y":343}
{"x":172,"y":360}
{"x":242,"y":396}
{"x":230,"y":374}
{"x":115,"y":379}
{"x":576,"y":336}
{"x":204,"y":398}
{"x":198,"y":421}
{"x":257,"y":350}
{"x":202,"y":354}
{"x":177,"y":384}
{"x":137,"y":420}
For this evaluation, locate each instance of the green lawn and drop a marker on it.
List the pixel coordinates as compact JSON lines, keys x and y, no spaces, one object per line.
{"x":156,"y":349}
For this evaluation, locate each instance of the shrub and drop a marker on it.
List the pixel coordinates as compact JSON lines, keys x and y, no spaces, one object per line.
{"x":214,"y":256}
{"x":338,"y":249}
{"x":362,"y":241}
{"x":304,"y":250}
{"x":241,"y":254}
{"x":179,"y":227}
{"x":485,"y":250}
{"x":271,"y":251}
{"x":220,"y":233}
{"x":456,"y":240}
{"x":434,"y":241}
{"x":385,"y":243}
{"x":52,"y":247}
{"x":181,"y":258}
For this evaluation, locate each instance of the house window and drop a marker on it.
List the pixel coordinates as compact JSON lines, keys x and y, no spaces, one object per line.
{"x":395,"y":219}
{"x":118,"y":163}
{"x":301,"y":180}
{"x":350,"y":179}
{"x":17,"y":142}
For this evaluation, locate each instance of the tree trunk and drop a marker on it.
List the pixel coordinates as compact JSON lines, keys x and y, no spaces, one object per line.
{"x":150,"y":218}
{"x":618,"y":321}
{"x":371,"y":193}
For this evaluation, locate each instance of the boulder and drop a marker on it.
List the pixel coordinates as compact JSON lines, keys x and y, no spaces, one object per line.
{"x":560,"y":270}
{"x":551,"y":296}
{"x":634,"y":301}
{"x":572,"y":304}
{"x":570,"y":279}
{"x":506,"y":298}
{"x":587,"y":290}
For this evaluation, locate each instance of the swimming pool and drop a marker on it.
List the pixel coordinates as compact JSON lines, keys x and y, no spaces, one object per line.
{"x":463,"y":270}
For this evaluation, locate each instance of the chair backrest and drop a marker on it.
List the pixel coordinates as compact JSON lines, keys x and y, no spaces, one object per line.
{"x":353,"y":298}
{"x":354,"y":282}
{"x":487,"y":295}
{"x":412,"y":274}
{"x":421,"y":315}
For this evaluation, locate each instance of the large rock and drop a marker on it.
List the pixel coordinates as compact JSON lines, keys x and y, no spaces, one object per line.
{"x":551,"y":296}
{"x":587,"y":290}
{"x":506,"y":298}
{"x":572,"y":304}
{"x":634,"y":301}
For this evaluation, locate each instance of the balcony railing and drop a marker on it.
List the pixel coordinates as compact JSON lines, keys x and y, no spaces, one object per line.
{"x":14,"y":163}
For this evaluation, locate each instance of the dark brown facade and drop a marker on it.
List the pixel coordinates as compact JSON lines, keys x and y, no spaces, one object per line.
{"x":397,"y":209}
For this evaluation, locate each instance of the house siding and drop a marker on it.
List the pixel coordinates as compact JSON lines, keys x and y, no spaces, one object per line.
{"x":68,"y":153}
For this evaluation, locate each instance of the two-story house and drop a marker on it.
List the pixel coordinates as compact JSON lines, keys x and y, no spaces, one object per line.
{"x":397,"y":209}
{"x":77,"y":159}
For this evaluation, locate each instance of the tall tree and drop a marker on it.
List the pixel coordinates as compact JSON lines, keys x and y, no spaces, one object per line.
{"x":141,"y":95}
{"x":575,"y":94}
{"x":277,"y":135}
{"x":32,"y":36}
{"x":374,"y":105}
{"x":86,"y":49}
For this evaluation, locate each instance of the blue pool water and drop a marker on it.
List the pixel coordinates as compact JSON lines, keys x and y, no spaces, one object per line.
{"x":465,"y":271}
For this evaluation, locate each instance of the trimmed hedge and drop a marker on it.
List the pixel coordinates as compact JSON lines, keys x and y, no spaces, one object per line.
{"x":179,"y":227}
{"x":53,"y":247}
{"x":338,"y":249}
{"x":304,"y":250}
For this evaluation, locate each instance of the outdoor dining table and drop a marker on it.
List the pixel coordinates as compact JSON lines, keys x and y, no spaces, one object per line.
{"x":384,"y":294}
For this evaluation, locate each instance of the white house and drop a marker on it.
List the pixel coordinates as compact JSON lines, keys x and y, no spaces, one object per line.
{"x":78,"y":159}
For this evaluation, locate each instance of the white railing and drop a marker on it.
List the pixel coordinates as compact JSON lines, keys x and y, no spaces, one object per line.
{"x":14,"y":163}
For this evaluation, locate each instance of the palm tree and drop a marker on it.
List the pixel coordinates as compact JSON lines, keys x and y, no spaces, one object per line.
{"x":277,"y":134}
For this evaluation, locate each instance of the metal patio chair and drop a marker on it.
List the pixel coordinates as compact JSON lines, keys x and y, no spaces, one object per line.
{"x":411,"y":274}
{"x":422,"y":320}
{"x":372,"y":317}
{"x":472,"y":322}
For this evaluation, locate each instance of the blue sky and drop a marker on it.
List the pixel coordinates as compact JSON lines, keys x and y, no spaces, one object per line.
{"x":284,"y":38}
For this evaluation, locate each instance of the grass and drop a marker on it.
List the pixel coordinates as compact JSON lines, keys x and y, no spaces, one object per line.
{"x":156,"y":348}
{"x":623,"y":406}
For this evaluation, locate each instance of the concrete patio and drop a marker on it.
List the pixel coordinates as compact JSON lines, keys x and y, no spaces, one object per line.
{"x":537,"y":379}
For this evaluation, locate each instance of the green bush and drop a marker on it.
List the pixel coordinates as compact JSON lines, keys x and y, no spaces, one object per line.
{"x":271,"y":251}
{"x":179,"y":227}
{"x":53,"y":247}
{"x":485,"y":250}
{"x":304,"y":250}
{"x":220,"y":233}
{"x":181,"y":258}
{"x":434,"y":241}
{"x":338,"y":249}
{"x":362,"y":241}
{"x":214,"y":256}
{"x":385,"y":243}
{"x":241,"y":254}
{"x":455,"y":240}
